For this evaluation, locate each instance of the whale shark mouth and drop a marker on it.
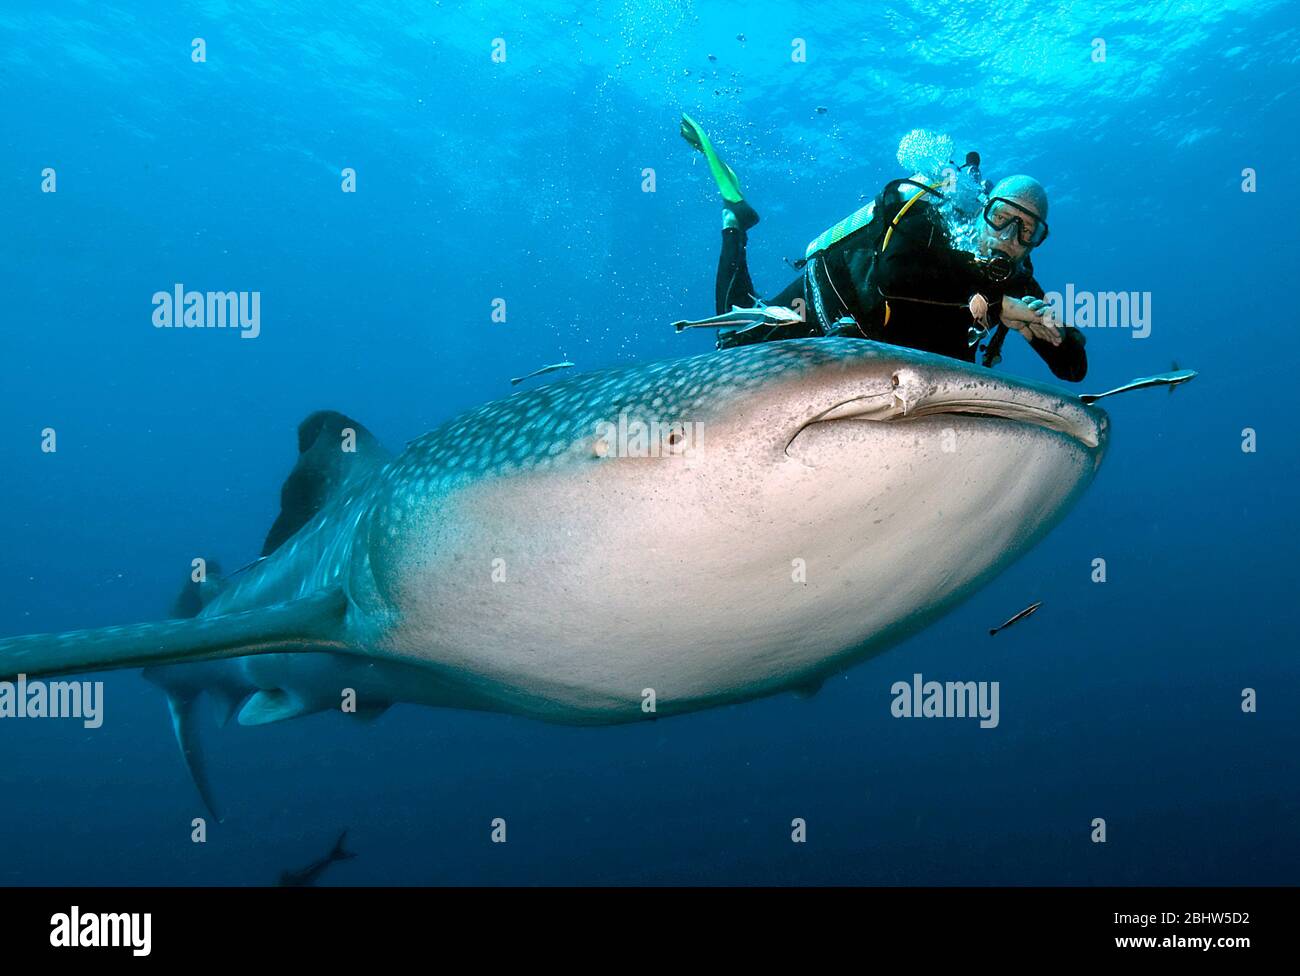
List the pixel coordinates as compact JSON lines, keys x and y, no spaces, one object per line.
{"x":1078,"y":424}
{"x":1022,"y":405}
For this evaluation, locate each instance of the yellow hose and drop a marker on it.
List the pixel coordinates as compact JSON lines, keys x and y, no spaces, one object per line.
{"x":899,"y":216}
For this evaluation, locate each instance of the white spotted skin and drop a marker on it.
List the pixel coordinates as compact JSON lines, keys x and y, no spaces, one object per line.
{"x":674,"y":574}
{"x":902,"y":481}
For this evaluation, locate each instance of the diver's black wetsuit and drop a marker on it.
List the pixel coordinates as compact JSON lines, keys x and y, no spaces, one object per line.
{"x":914,"y":293}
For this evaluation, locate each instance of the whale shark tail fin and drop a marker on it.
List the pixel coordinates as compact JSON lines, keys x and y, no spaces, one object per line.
{"x":311,"y":623}
{"x":334,"y":451}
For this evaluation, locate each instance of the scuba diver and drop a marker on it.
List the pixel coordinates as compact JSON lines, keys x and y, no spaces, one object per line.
{"x":895,"y":272}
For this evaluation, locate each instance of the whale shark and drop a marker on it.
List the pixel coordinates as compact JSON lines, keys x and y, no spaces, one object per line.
{"x":622,"y":545}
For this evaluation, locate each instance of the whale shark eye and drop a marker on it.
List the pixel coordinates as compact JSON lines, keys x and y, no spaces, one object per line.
{"x":894,"y":381}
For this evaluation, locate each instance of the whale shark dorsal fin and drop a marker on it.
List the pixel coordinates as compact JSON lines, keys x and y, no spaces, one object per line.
{"x":333,"y":452}
{"x":193,"y":596}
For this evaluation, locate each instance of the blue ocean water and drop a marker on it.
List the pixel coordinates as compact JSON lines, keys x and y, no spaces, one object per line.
{"x":480,"y":178}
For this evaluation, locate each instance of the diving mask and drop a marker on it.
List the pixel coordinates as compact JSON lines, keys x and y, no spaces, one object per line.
{"x":1000,"y":213}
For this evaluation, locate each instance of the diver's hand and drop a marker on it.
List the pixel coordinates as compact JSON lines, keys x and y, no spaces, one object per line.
{"x":1032,"y":318}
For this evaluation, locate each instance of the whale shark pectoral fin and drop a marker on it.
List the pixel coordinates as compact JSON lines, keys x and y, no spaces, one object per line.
{"x":809,"y":689}
{"x":280,"y":704}
{"x":311,"y":623}
{"x":273,"y":705}
{"x":183,"y":709}
{"x":370,"y":713}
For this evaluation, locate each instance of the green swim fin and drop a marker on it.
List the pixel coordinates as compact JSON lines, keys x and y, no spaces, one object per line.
{"x":723,"y":175}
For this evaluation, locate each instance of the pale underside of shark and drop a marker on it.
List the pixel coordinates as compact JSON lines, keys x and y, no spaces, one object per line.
{"x":565,"y":554}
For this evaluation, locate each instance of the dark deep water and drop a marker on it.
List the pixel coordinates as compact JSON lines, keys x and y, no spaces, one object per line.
{"x":523,"y":180}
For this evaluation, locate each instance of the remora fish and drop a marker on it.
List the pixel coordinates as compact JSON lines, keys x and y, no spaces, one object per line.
{"x":1171,"y":380}
{"x":764,"y":314}
{"x":312,"y":872}
{"x":1028,"y":611}
{"x":538,"y":372}
{"x":503,"y":562}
